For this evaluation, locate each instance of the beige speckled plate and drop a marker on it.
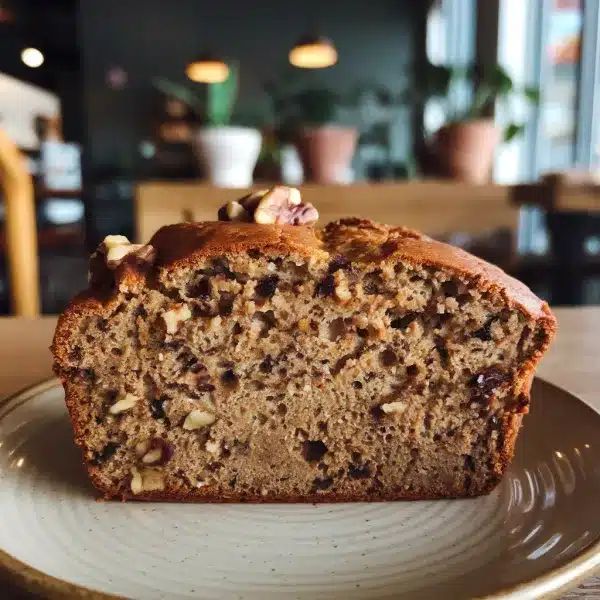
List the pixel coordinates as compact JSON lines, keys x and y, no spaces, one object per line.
{"x":536,"y":535}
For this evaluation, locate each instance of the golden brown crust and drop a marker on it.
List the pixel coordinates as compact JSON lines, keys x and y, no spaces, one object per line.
{"x":181,"y":243}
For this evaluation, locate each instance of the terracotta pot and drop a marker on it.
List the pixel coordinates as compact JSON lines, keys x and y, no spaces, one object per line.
{"x":465,"y":151}
{"x":326,"y":152}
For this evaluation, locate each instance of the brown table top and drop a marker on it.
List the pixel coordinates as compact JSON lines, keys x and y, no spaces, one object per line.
{"x":572,"y":363}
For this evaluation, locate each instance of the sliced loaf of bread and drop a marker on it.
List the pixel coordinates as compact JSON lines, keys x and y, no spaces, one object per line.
{"x":269,"y":362}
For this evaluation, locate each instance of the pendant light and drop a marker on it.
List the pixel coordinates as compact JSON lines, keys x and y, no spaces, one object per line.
{"x":313,"y":52}
{"x":32,"y":57}
{"x":207,"y":68}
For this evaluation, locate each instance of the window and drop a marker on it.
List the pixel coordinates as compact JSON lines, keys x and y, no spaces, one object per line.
{"x":560,"y":85}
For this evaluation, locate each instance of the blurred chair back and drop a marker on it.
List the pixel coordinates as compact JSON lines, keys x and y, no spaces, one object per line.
{"x":20,"y":230}
{"x":437,"y":208}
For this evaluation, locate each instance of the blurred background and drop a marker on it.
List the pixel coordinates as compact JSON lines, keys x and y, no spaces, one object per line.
{"x":475,"y":120}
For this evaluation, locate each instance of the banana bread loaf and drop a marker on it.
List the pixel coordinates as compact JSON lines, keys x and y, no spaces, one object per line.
{"x":271,"y":362}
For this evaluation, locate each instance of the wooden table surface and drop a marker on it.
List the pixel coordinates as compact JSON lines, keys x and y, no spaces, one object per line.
{"x":572,"y":363}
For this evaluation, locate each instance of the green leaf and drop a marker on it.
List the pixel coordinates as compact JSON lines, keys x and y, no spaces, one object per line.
{"x":532,"y":94}
{"x":222,"y":98}
{"x":316,"y":106}
{"x":176,"y":90}
{"x":500,"y":80}
{"x":512,"y":131}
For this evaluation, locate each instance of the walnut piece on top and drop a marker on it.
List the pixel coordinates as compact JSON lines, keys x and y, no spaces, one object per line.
{"x":278,"y":205}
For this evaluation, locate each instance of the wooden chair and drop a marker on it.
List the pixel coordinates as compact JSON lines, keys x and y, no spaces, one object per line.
{"x":433,"y":207}
{"x":20,"y":227}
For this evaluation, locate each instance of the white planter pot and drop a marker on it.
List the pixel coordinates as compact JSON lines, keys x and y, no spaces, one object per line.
{"x":228,"y":155}
{"x":291,"y":165}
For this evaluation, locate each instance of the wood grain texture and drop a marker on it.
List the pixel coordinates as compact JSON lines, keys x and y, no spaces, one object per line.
{"x":21,"y":230}
{"x":571,"y":363}
{"x":560,"y":194}
{"x":432,"y":207}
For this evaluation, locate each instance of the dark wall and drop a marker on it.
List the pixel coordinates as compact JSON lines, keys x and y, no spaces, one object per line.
{"x":377,"y":40}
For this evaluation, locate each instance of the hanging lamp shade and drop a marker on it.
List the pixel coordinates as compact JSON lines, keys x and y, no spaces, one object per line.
{"x":207,"y":68}
{"x":313,"y":52}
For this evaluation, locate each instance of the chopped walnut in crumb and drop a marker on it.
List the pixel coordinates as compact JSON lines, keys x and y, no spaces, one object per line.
{"x":152,"y":456}
{"x":361,"y":321}
{"x":248,"y":291}
{"x":175,"y":316}
{"x":146,"y":480}
{"x":114,"y":241}
{"x":378,"y":328}
{"x":158,"y":453}
{"x":452,"y":304}
{"x":115,"y":255}
{"x":214,"y":324}
{"x":124,"y":402}
{"x":393,"y":407}
{"x":197,"y":419}
{"x":141,"y":448}
{"x":341,"y":289}
{"x":137,"y":485}
{"x":117,"y":247}
{"x":212,"y":447}
{"x":153,"y":480}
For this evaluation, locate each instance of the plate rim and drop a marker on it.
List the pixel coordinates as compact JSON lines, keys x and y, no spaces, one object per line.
{"x":549,"y":585}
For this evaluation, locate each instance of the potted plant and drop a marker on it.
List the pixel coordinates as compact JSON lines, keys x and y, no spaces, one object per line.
{"x":464,"y":147}
{"x":227,"y":153}
{"x":306,"y":115}
{"x":326,"y":148}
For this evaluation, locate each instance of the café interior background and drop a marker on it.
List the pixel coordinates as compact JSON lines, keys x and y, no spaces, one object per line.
{"x":101,"y":99}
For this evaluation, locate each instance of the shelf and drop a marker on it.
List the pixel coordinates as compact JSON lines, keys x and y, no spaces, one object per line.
{"x":54,"y":237}
{"x":45,"y":194}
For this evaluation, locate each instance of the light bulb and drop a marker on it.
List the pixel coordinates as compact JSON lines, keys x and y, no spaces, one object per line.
{"x":313,"y":53}
{"x":32,"y":57}
{"x":207,"y":71}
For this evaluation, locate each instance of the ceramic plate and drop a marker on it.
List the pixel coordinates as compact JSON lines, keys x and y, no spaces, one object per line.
{"x":535,"y":535}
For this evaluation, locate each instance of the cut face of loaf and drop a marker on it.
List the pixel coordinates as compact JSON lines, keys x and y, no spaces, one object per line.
{"x":240,"y":362}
